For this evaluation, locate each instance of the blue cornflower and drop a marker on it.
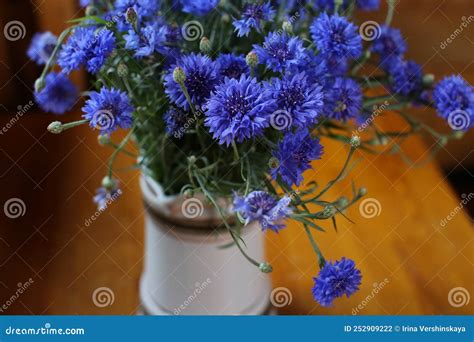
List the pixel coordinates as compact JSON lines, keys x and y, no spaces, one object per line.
{"x":280,"y":51}
{"x":41,"y":47}
{"x":294,"y":154}
{"x":198,"y":7}
{"x":84,"y":3}
{"x":108,"y":110}
{"x":264,"y":208}
{"x":86,"y":46}
{"x":150,"y":39}
{"x":252,"y":17}
{"x":365,"y":5}
{"x":335,"y":280}
{"x":343,"y":99}
{"x":454,"y":101}
{"x":335,"y":37}
{"x":368,"y":5}
{"x":143,"y":8}
{"x":320,"y":70}
{"x":104,"y":197}
{"x":238,"y":110}
{"x":299,"y":101}
{"x":232,"y":65}
{"x":201,"y":78}
{"x":406,"y":76}
{"x":58,"y":95}
{"x":390,"y":43}
{"x":176,"y":120}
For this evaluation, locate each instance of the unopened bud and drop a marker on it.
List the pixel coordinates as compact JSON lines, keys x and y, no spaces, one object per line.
{"x":205,"y":45}
{"x":122,"y":70}
{"x":287,"y":27}
{"x":39,"y":84}
{"x":265,"y":267}
{"x":103,"y":139}
{"x":131,"y":16}
{"x":178,"y":75}
{"x":109,"y":183}
{"x":55,"y":127}
{"x":362,"y":191}
{"x":428,"y":80}
{"x":252,"y":59}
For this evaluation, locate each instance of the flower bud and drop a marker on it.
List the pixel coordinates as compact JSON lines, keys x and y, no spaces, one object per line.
{"x":265,"y":267}
{"x":458,"y":134}
{"x":287,"y":27}
{"x":40,"y":84}
{"x":362,"y":191}
{"x":109,"y":183}
{"x":90,"y":11}
{"x":55,"y":127}
{"x":131,"y":16}
{"x":103,"y":139}
{"x":428,"y":80}
{"x":122,"y":70}
{"x":252,"y":59}
{"x":191,"y":160}
{"x":205,"y":45}
{"x":355,"y":141}
{"x":188,"y":193}
{"x":178,"y":75}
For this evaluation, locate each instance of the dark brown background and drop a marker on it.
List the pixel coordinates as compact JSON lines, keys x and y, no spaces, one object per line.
{"x":56,"y":178}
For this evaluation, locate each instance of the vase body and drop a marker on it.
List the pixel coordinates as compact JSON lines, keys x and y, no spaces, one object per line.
{"x":188,"y":269}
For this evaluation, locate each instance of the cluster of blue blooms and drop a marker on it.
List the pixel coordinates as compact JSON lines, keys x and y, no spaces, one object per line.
{"x":276,"y":86}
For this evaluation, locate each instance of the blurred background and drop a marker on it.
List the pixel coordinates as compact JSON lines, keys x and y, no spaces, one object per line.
{"x":50,"y":248}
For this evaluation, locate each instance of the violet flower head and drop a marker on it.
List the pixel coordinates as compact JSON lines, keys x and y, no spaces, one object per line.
{"x":335,"y":280}
{"x":239,"y":110}
{"x":253,"y":16}
{"x":264,"y":208}
{"x":108,"y":110}
{"x":41,"y":47}
{"x":294,"y":155}
{"x":59,"y":94}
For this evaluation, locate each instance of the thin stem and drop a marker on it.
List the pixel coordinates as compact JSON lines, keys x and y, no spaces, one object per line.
{"x":391,"y":11}
{"x":118,"y":150}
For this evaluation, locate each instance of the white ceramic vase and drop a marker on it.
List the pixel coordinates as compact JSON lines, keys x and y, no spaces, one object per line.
{"x":187,"y":270}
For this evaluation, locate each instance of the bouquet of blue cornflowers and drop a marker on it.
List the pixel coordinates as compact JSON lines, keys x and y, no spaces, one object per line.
{"x":230,"y":99}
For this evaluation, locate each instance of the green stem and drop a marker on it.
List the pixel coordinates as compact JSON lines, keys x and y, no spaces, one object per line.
{"x":224,"y":219}
{"x":391,"y":11}
{"x":118,"y":150}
